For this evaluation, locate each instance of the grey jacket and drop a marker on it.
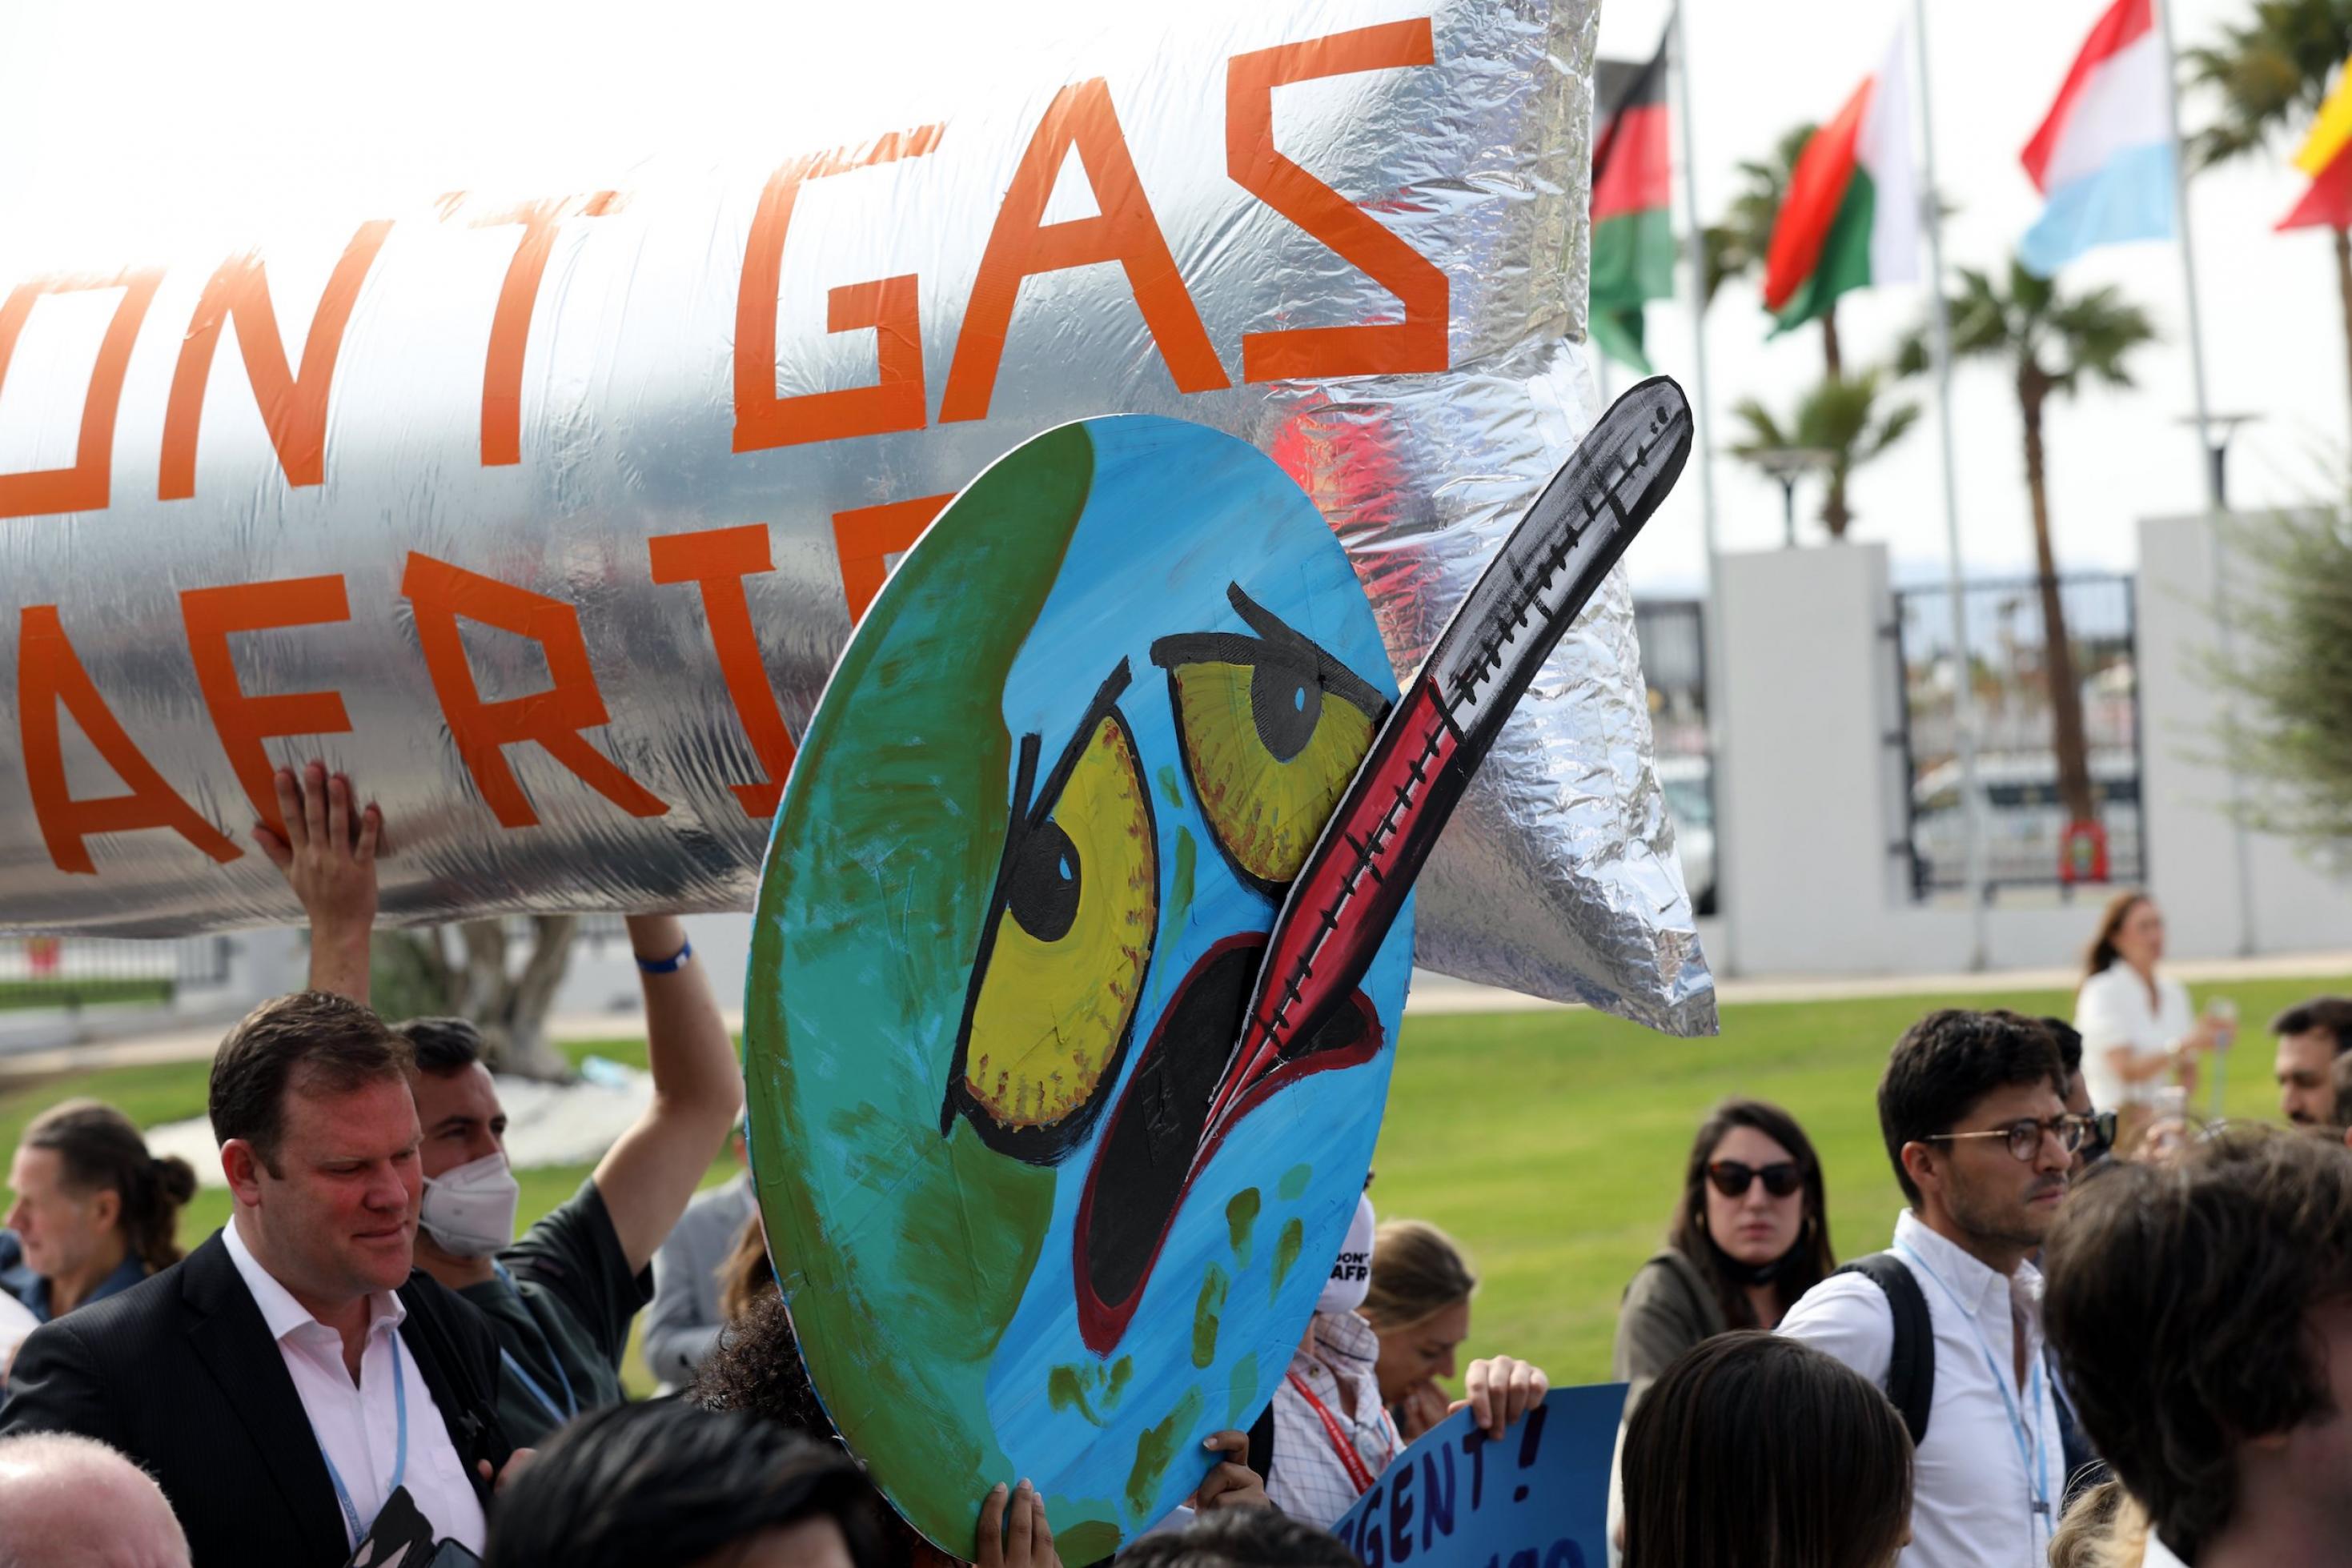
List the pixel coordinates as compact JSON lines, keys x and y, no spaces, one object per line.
{"x":1668,"y":1308}
{"x":684,"y":1321}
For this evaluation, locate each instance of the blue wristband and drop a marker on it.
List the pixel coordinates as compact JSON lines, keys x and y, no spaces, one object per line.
{"x":669,"y":965}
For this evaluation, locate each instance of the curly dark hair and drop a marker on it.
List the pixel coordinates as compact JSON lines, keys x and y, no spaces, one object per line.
{"x":756,"y":1369}
{"x":1948,"y":1062}
{"x":2179,"y":1300}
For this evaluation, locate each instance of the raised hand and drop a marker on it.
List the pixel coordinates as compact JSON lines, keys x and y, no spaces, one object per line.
{"x":328,"y":854}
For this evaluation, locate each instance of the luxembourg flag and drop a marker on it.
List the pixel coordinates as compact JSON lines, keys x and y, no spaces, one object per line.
{"x":2104,"y":154}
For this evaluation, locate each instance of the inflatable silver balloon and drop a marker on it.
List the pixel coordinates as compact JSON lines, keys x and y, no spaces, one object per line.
{"x":545,"y":521}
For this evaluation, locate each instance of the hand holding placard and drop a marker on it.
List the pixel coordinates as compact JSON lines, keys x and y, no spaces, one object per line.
{"x":1457,"y":1499}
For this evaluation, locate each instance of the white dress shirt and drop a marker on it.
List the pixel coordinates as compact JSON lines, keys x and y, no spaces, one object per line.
{"x":1975,"y":1492}
{"x":1308,"y":1480}
{"x":2113,"y":1010}
{"x":2159,"y":1555}
{"x":357,"y":1427}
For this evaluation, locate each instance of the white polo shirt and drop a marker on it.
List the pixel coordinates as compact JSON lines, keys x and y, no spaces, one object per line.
{"x":1992,"y":1452}
{"x":357,"y":1425}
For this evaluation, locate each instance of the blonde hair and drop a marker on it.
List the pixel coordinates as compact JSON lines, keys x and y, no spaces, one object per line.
{"x":2106,"y":1527}
{"x":1418,"y":1271}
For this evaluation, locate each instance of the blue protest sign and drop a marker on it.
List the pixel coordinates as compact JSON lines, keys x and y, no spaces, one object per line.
{"x":1538,"y":1499}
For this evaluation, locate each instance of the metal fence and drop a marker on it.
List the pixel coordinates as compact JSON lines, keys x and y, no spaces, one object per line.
{"x":2017,"y":766}
{"x":1672,"y":633}
{"x":74,"y":972}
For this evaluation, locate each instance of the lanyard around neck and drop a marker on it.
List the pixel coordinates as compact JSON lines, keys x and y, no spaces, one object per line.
{"x":559,"y":1414}
{"x":1358,"y":1474}
{"x":400,"y":1457}
{"x":2037,"y":1476}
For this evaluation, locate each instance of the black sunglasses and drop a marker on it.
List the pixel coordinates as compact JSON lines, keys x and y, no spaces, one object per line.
{"x":2098,"y":1136}
{"x":1731,"y":1178}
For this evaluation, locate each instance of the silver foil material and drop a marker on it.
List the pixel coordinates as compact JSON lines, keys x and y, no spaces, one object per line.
{"x":1558,"y":877}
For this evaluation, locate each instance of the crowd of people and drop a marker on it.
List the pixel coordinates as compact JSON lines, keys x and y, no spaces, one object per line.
{"x":2102,"y":1337}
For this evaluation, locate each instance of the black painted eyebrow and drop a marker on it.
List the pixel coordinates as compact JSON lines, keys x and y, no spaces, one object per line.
{"x":1032,"y":804}
{"x":1030,"y":811}
{"x":1277,"y":642}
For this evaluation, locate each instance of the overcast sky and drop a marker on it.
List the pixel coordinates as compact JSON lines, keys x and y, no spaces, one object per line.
{"x":205,"y":123}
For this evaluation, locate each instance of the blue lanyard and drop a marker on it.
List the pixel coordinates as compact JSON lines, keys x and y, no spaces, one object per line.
{"x":2037,"y":1477}
{"x":559,"y":1414}
{"x":399,"y":1460}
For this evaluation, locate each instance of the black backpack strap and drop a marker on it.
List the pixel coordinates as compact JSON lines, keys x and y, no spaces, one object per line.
{"x":477,"y":1431}
{"x":1261,"y":1444}
{"x":1911,"y":1369}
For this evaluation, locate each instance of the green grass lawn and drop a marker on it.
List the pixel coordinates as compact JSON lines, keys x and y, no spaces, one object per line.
{"x":18,"y":995}
{"x":1550,"y":1144}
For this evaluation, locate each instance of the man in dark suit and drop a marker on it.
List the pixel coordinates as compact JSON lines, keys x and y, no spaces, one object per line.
{"x":290,"y":1375}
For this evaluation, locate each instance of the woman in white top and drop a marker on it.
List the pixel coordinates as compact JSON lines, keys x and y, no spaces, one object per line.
{"x":2138,"y":1030}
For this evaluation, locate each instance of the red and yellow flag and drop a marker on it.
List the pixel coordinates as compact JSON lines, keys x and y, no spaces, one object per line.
{"x":2327,"y":156}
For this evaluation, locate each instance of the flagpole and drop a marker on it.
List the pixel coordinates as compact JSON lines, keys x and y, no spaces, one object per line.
{"x":2188,"y":263}
{"x":1712,"y":644}
{"x":1964,"y":698}
{"x":1700,"y":406}
{"x":2214,"y":501}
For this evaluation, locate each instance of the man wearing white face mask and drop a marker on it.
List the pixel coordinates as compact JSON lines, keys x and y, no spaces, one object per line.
{"x":1331,"y":1437}
{"x":562,"y":1296}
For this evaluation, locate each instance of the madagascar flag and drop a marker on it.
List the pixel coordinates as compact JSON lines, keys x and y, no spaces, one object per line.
{"x":2327,"y":156}
{"x":1850,"y":215}
{"x":1632,"y":237}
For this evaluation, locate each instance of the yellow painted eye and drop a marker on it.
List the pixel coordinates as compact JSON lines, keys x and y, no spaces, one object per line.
{"x":1272,"y":729}
{"x":1053,"y":990}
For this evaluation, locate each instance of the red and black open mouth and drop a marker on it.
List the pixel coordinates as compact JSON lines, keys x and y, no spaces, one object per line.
{"x":1159,"y":1139}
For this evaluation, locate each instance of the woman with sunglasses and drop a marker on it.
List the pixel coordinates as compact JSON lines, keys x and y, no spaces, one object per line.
{"x":1751,"y":1235}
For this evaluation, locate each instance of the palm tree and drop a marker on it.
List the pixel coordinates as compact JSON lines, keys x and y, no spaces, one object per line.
{"x":1839,"y":417}
{"x":2270,"y":75}
{"x":2049,"y":342}
{"x":1737,"y":246}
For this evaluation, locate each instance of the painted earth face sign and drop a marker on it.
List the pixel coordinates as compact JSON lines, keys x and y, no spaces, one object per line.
{"x":1056,"y":1112}
{"x":1018,"y":894}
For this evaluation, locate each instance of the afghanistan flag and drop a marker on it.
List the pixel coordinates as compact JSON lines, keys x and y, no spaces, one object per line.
{"x":1850,"y":215}
{"x":2327,"y":156}
{"x":1632,"y":237}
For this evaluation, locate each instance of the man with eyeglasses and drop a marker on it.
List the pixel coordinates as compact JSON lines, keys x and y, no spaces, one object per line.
{"x":1973,"y":1109}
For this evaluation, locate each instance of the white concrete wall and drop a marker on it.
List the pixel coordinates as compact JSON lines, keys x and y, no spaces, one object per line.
{"x":1814,"y":800}
{"x":2192,"y":846}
